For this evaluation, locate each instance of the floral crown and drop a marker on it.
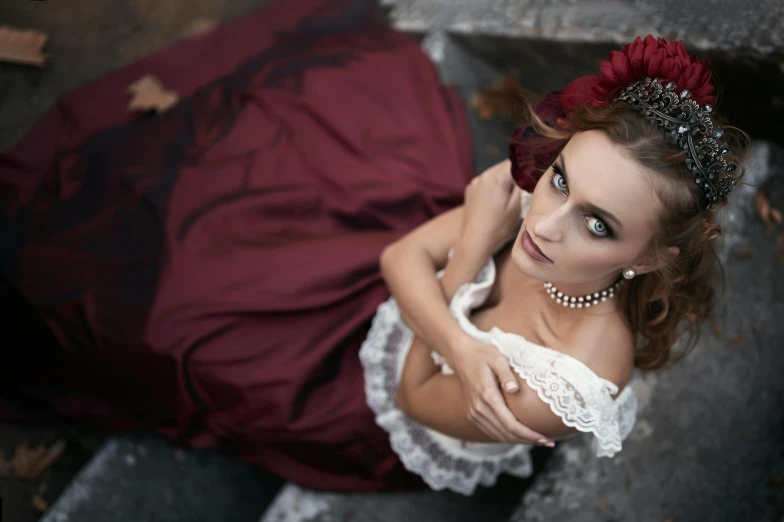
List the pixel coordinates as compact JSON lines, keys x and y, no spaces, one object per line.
{"x":645,"y":74}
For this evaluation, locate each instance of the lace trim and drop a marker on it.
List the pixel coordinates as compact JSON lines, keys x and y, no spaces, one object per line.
{"x":571,"y":389}
{"x":443,"y":462}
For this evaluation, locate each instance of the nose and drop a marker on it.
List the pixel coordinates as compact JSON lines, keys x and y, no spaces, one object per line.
{"x":550,"y":225}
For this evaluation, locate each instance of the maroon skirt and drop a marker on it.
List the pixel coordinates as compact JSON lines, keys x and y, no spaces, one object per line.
{"x":211,"y":272}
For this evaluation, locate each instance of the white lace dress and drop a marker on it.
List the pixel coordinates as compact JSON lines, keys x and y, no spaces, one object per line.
{"x":571,"y":389}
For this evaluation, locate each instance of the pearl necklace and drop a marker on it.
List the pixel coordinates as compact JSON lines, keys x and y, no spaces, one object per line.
{"x":583,"y":301}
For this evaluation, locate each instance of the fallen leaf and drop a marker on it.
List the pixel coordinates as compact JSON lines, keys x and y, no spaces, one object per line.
{"x":762,"y":205}
{"x":775,"y":482}
{"x":149,"y":94}
{"x":503,"y":98}
{"x":31,"y":463}
{"x":775,"y":216}
{"x":669,"y":519}
{"x":39,"y":503}
{"x":744,"y":253}
{"x":22,"y":46}
{"x":492,"y":150}
{"x":740,"y":339}
{"x":198,"y":26}
{"x":715,"y":327}
{"x":770,"y":216}
{"x":602,"y":505}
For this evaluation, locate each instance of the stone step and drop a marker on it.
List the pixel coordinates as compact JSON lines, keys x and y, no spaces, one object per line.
{"x":495,"y":504}
{"x":736,"y":25}
{"x":142,"y":478}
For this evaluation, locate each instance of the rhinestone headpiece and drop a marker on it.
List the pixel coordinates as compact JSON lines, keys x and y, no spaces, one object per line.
{"x":688,"y":125}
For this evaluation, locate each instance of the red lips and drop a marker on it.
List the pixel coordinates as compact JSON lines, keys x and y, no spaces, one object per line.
{"x":532,"y":250}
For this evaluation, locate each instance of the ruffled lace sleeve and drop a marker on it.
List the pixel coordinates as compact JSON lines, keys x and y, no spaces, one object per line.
{"x":574,"y":392}
{"x":581,"y":398}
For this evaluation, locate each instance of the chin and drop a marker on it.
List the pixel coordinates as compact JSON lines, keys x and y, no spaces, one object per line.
{"x":523,"y":262}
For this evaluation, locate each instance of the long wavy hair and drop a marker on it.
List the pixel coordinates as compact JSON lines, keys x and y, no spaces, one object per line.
{"x":663,"y":305}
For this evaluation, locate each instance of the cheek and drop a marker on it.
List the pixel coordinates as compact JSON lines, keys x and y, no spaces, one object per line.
{"x":599,"y":256}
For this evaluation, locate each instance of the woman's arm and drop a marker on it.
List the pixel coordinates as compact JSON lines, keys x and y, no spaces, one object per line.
{"x":409,"y":266}
{"x":433,"y":399}
{"x":490,"y":214}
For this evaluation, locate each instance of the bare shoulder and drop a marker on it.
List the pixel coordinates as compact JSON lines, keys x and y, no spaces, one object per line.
{"x":605,"y":344}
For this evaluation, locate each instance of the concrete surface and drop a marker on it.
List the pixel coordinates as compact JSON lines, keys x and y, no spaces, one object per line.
{"x":144,"y":479}
{"x":754,"y":27}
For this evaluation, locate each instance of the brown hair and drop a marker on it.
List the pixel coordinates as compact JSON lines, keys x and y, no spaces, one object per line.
{"x":657,"y":303}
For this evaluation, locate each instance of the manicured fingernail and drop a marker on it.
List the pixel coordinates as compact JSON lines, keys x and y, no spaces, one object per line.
{"x":551,"y":444}
{"x":510,"y":386}
{"x":543,"y":441}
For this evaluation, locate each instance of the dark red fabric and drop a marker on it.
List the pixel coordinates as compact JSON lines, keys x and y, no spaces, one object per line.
{"x":212,"y":271}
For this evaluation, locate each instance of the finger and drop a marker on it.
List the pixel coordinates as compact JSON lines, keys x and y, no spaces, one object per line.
{"x":492,"y":400}
{"x":505,"y":375}
{"x":517,"y":428}
{"x":485,"y":418}
{"x":486,"y":427}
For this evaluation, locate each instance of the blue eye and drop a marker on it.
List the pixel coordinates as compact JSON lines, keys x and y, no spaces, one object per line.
{"x":597,"y":226}
{"x":558,"y":181}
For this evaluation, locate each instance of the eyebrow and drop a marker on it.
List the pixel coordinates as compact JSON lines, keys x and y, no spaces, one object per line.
{"x":589,"y":206}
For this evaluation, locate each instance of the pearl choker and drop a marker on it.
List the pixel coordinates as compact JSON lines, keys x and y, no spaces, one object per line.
{"x":583,"y":301}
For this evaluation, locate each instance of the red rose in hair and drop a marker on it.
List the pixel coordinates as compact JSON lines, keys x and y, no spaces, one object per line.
{"x":652,"y":57}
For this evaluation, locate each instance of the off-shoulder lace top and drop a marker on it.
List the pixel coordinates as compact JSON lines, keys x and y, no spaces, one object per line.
{"x":572,"y":390}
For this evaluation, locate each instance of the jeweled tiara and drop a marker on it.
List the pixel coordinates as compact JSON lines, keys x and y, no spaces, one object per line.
{"x":688,"y":125}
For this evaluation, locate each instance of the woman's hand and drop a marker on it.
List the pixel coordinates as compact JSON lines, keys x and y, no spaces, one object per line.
{"x":480,"y":367}
{"x":492,"y":207}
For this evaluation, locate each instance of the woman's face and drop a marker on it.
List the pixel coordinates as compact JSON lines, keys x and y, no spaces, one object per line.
{"x":592,"y":215}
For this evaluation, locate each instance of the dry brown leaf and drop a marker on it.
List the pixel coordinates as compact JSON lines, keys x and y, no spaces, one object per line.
{"x":775,"y":482}
{"x":762,"y":205}
{"x":771,"y":216}
{"x":149,"y":94}
{"x":602,"y":505}
{"x":715,"y":327}
{"x":39,"y":503}
{"x":744,"y":253}
{"x":775,"y":216}
{"x":740,"y":339}
{"x":22,"y":46}
{"x":198,"y":26}
{"x":492,"y":150}
{"x":503,"y":98}
{"x":669,"y":519}
{"x":31,"y":463}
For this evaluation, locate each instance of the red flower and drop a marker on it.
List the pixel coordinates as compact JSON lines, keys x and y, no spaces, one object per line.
{"x":652,"y":57}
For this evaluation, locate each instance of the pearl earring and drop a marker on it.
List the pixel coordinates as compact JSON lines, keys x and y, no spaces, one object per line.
{"x":629,"y":273}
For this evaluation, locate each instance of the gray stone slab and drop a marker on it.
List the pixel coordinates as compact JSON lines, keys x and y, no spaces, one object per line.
{"x":754,"y":27}
{"x":467,"y":74}
{"x":496,"y":504}
{"x":144,"y":479}
{"x":709,"y":446}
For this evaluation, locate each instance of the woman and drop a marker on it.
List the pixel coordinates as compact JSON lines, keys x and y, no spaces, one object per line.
{"x":613,"y":257}
{"x":212,"y":272}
